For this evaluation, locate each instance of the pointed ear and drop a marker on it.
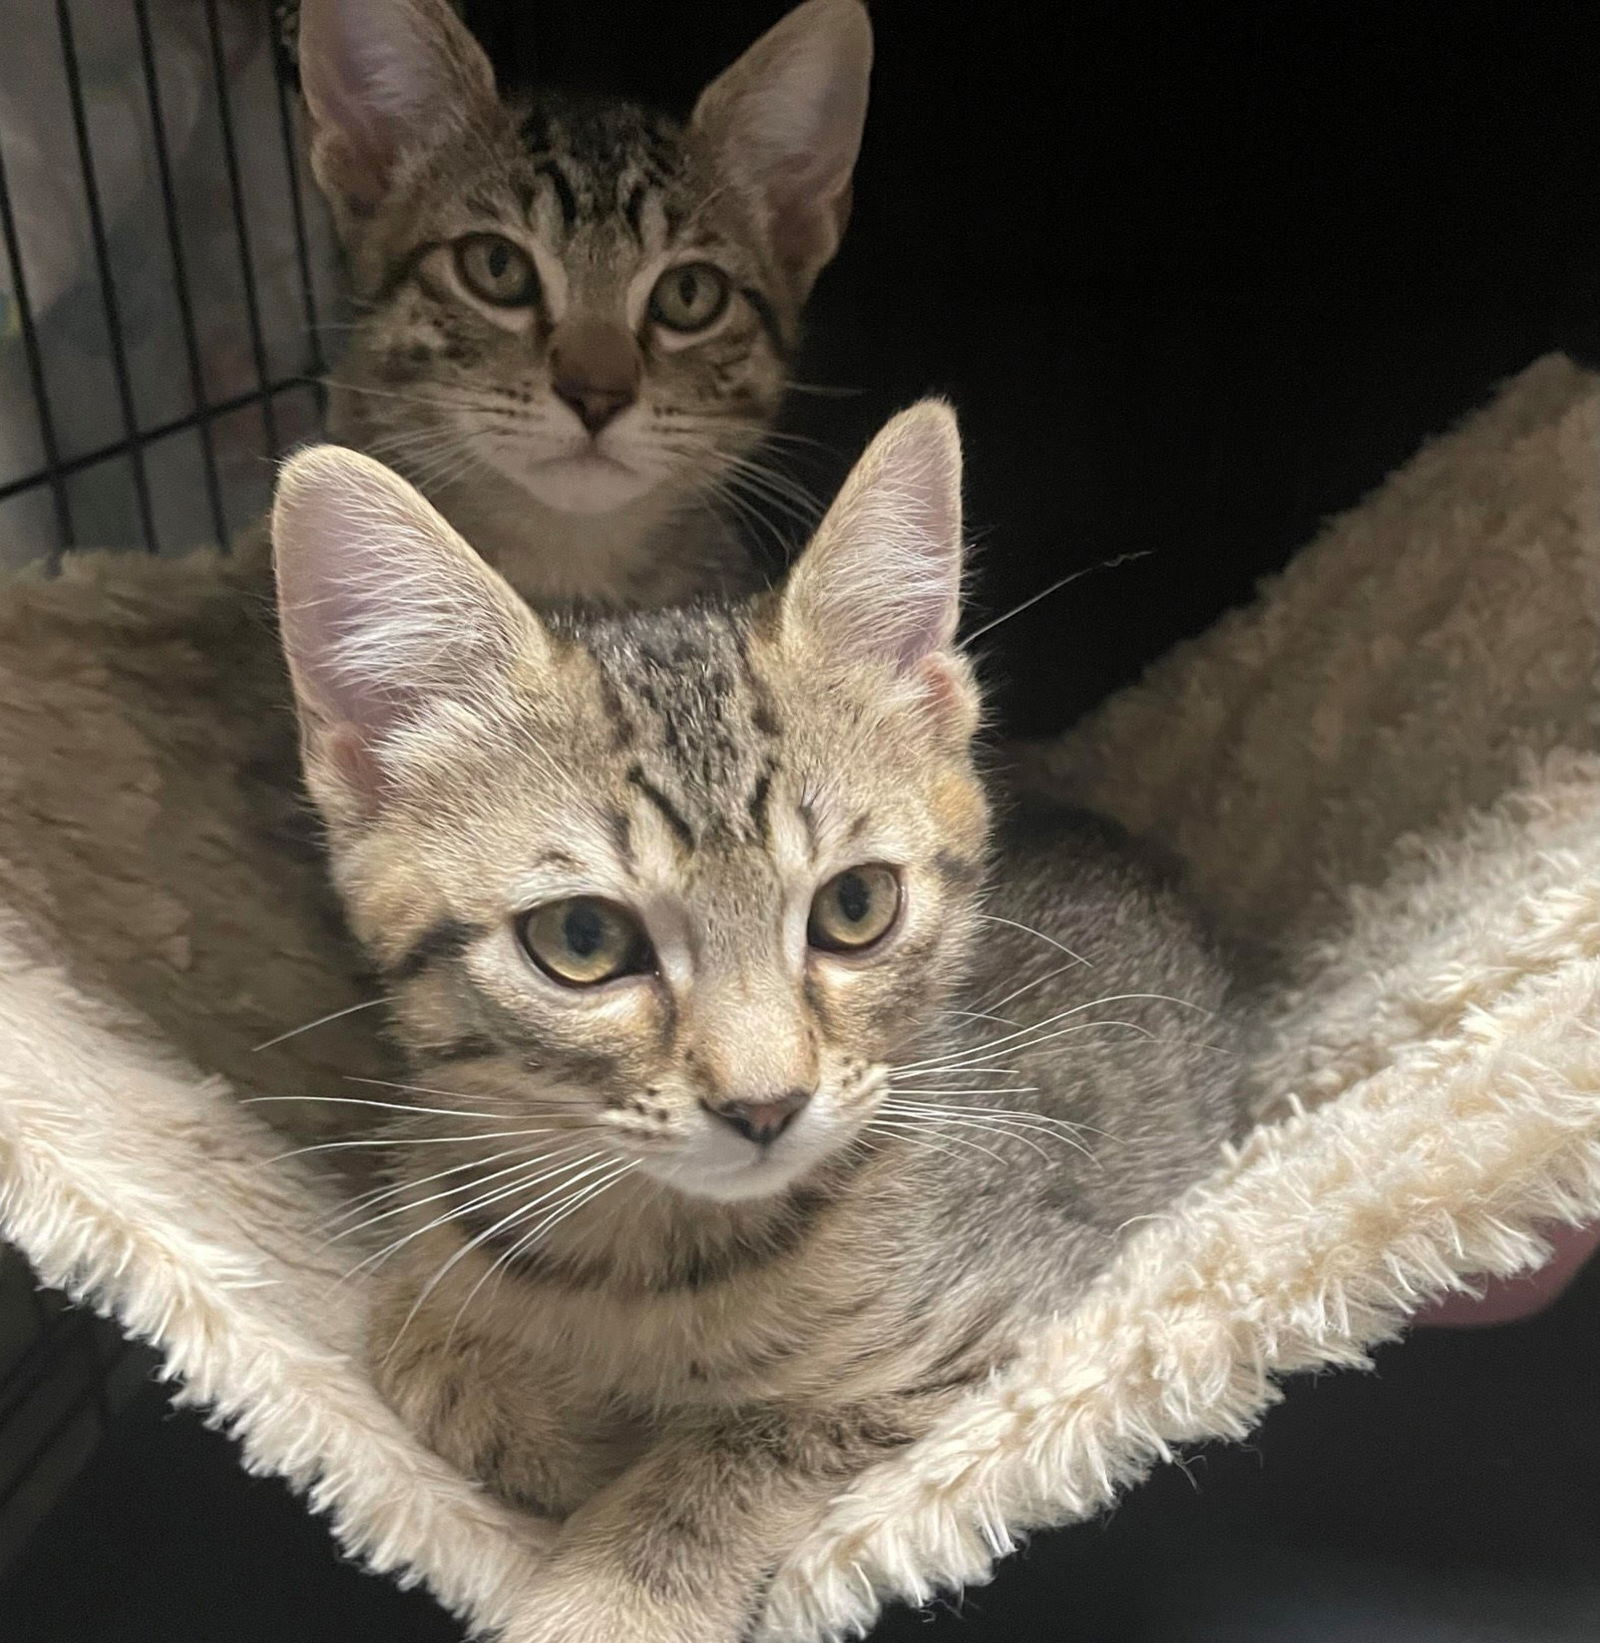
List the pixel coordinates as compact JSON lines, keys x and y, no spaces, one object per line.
{"x":880,"y":583}
{"x":380,"y":77}
{"x":785,"y":122}
{"x":385,"y":612}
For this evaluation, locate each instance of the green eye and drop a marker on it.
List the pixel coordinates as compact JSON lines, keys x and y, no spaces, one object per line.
{"x":583,"y":941}
{"x":689,"y":297}
{"x":854,"y":909}
{"x":495,"y":270}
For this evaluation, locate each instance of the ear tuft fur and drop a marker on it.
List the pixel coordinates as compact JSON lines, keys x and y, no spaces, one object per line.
{"x":786,"y":120}
{"x":384,"y":609}
{"x":881,"y":580}
{"x":379,"y":77}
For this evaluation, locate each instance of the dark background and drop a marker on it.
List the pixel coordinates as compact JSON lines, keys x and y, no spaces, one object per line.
{"x":1196,"y":276}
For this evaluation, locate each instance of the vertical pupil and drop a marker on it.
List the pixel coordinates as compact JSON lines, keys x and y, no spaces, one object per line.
{"x":855,"y":898}
{"x":686,"y":286}
{"x":499,"y":260}
{"x":584,"y":931}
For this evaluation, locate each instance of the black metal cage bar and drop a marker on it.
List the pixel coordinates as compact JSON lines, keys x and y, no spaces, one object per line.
{"x":222,"y":213}
{"x":144,"y":395}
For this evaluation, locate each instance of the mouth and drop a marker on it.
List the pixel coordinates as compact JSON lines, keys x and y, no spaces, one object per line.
{"x":761,"y":1173}
{"x":581,"y":478}
{"x":586,"y":459}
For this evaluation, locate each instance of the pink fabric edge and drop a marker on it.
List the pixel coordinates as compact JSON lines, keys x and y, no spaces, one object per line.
{"x":1508,"y":1300}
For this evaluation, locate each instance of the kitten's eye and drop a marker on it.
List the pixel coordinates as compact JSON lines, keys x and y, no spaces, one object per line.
{"x":583,"y":941}
{"x":689,"y":298}
{"x":497,"y":271}
{"x":854,"y":909}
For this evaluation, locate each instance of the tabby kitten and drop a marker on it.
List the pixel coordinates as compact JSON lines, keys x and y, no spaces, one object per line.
{"x":751,"y":1119}
{"x":575,"y":317}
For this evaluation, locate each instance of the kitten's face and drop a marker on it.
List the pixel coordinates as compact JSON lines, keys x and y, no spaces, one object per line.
{"x":689,"y":882}
{"x":581,"y":297}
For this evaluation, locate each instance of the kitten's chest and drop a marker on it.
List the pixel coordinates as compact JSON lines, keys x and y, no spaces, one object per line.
{"x":816,"y":1322}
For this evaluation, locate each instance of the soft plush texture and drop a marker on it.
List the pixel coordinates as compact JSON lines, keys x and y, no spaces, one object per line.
{"x":1381,"y":775}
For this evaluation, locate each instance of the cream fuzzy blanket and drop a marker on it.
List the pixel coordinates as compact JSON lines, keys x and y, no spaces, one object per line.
{"x":1383,"y":772}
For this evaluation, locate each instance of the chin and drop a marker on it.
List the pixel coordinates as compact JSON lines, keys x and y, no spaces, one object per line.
{"x":585,"y":484}
{"x":734,"y":1181}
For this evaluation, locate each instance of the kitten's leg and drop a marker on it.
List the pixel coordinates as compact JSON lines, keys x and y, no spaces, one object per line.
{"x":481,"y":1405}
{"x":680,"y":1548}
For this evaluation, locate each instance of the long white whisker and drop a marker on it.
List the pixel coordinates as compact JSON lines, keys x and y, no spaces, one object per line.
{"x":1021,"y":1114}
{"x":503,"y":1262}
{"x":981,"y":1124}
{"x":1018,"y":1122}
{"x":495,"y":1197}
{"x":424,"y":1089}
{"x":939,"y":1072}
{"x":375,"y":1195}
{"x":1061,"y":1015}
{"x":917,"y":1129}
{"x":523,"y":1160}
{"x":386,"y":1106}
{"x":1028,"y":930}
{"x":981,"y":1015}
{"x":332,"y":1015}
{"x":415,"y":1141}
{"x":1060,"y":582}
{"x":961,"y":1089}
{"x":483,"y":1237}
{"x":1028,"y":986}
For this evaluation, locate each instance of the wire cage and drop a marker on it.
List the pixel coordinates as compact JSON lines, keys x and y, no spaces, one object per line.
{"x":166,"y":276}
{"x":164,"y":280}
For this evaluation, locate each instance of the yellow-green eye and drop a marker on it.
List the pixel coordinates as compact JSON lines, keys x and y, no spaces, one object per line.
{"x":583,"y":941}
{"x":495,"y":270}
{"x":689,"y":297}
{"x":854,"y":909}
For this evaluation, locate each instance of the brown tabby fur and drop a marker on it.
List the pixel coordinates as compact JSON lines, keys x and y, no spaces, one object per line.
{"x":416,"y":151}
{"x":679,"y":1339}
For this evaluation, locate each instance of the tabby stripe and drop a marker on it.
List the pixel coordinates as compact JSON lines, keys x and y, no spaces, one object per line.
{"x":977,"y":1331}
{"x":769,"y":320}
{"x":404,"y":271}
{"x":633,"y":212}
{"x":808,"y":820}
{"x":759,"y":806}
{"x":474,"y":1047}
{"x":620,"y":825}
{"x":957,"y":872}
{"x":670,"y":813}
{"x":565,"y":197}
{"x":692,"y":1270}
{"x":448,"y":939}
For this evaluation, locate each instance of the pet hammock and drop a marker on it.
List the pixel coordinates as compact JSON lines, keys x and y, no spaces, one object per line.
{"x":1382,"y":776}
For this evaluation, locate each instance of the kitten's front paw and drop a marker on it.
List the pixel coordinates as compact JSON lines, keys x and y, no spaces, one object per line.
{"x":568,"y":1612}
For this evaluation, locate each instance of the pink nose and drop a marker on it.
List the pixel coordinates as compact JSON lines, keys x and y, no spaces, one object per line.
{"x":761,"y":1121}
{"x":594,"y":369}
{"x":595,"y":407}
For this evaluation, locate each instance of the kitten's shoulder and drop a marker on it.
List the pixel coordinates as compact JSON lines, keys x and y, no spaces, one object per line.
{"x":1112,"y":888}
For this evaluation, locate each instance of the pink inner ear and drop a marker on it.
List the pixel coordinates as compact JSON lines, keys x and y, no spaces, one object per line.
{"x":804,"y":208}
{"x":354,"y":764}
{"x":947,"y":698}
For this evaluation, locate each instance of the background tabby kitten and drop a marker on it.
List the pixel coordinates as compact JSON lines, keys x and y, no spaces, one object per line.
{"x":574,"y":317}
{"x":747,"y":1126}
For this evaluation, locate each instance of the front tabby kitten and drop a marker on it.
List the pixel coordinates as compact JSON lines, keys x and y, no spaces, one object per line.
{"x":750,"y":1125}
{"x":574,"y":317}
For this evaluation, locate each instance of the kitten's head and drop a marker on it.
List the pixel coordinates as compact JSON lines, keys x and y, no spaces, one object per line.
{"x":582,"y":297}
{"x":693,"y":878}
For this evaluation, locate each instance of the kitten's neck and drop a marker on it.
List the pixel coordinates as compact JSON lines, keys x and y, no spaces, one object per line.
{"x":660,"y":549}
{"x":637,"y":1235}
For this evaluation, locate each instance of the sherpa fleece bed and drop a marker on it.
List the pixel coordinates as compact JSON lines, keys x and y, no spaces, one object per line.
{"x":1382,"y":777}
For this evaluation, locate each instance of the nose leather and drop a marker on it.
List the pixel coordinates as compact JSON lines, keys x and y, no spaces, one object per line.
{"x":761,"y":1121}
{"x":595,"y":370}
